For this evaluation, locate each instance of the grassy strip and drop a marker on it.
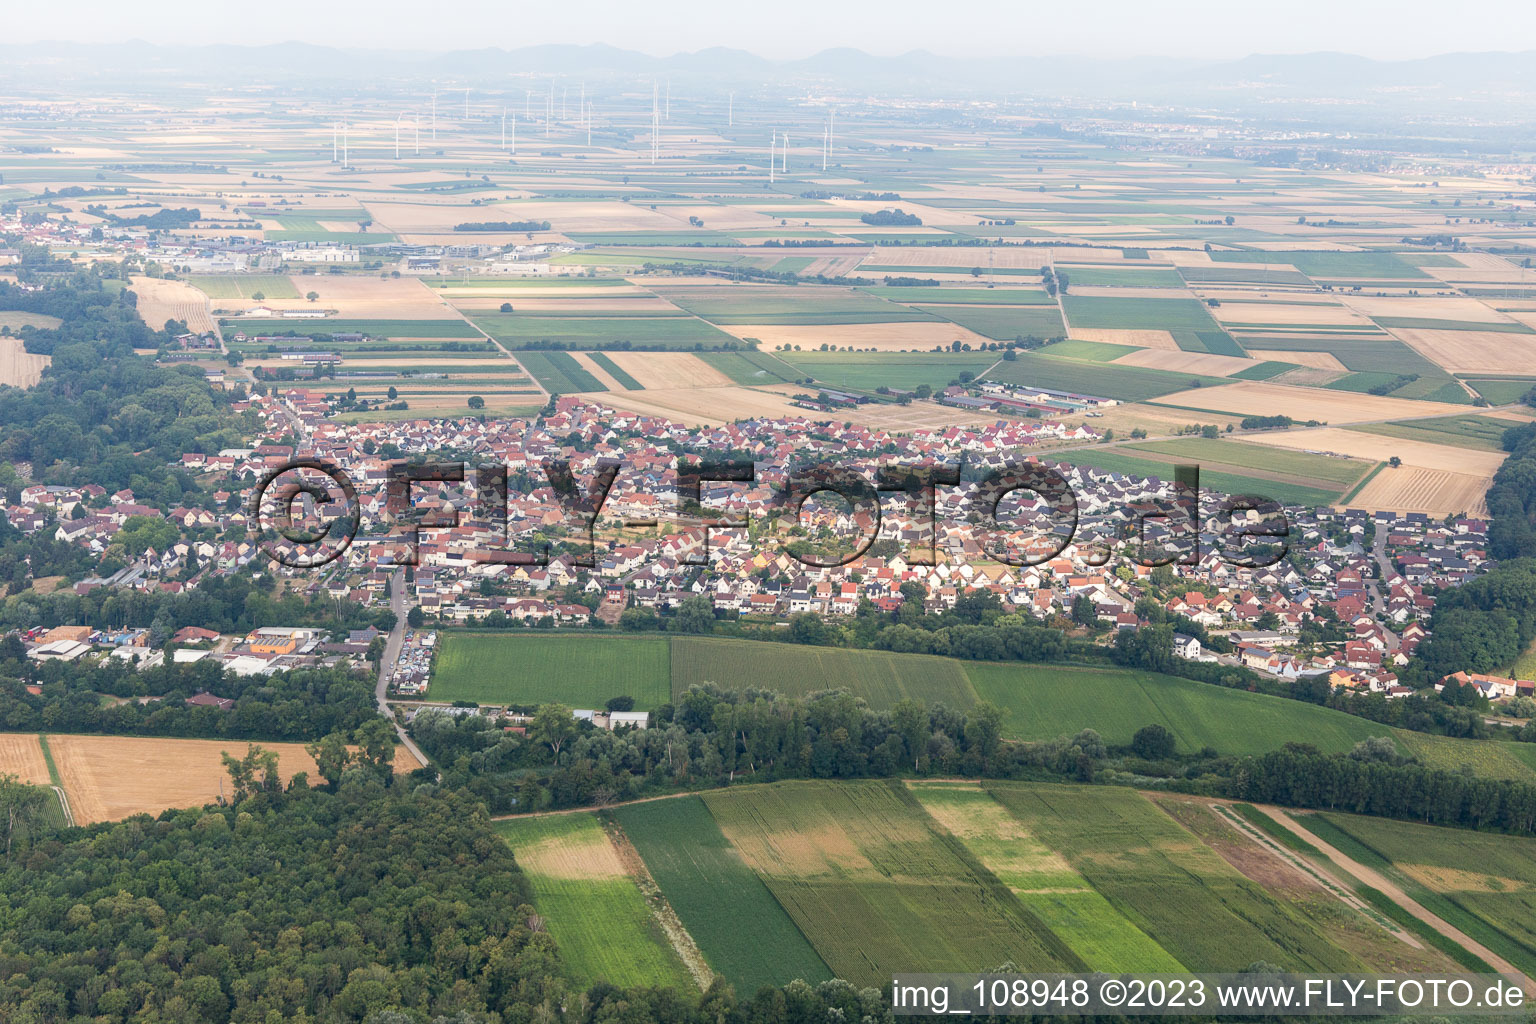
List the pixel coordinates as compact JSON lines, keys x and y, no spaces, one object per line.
{"x":1276,"y":831}
{"x":614,"y":371}
{"x":53,"y":769}
{"x":1450,"y":947}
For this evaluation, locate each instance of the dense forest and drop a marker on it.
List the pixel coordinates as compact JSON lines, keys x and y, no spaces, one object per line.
{"x":102,"y":414}
{"x":299,"y":704}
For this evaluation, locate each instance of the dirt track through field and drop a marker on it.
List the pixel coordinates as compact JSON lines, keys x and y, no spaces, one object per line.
{"x":1381,"y":883}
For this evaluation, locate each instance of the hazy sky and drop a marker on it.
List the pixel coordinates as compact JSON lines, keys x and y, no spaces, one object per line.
{"x":797,"y":28}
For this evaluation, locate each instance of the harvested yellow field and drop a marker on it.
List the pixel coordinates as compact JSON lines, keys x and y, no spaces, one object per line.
{"x":161,"y":300}
{"x":1161,"y":340}
{"x":21,"y":755}
{"x":1258,"y":398}
{"x":665,"y":370}
{"x":576,"y":856}
{"x":112,"y":777}
{"x":503,"y":293}
{"x":1437,"y":307}
{"x":1473,"y":351}
{"x":1186,"y":362}
{"x":1410,"y":489}
{"x":914,"y":336}
{"x":1327,"y":313}
{"x":1379,"y":448}
{"x":366,"y":298}
{"x":1316,"y":360}
{"x":18,"y":367}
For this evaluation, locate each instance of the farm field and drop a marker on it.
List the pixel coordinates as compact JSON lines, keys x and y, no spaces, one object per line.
{"x":1240,"y":454}
{"x":1176,"y":890}
{"x":18,"y":367}
{"x":1185,"y":314}
{"x":517,"y":331}
{"x":1004,"y":323}
{"x":1107,"y":380}
{"x":874,"y":887}
{"x":161,"y":300}
{"x":1078,"y":914}
{"x":21,"y":755}
{"x":714,"y":893}
{"x":436,"y":328}
{"x":1129,"y":461}
{"x":581,"y":670}
{"x":866,"y":371}
{"x":558,"y":372}
{"x":591,"y":904}
{"x":1047,"y":701}
{"x":1331,"y":265}
{"x":880,"y":677}
{"x":1262,"y":398}
{"x":244,"y":286}
{"x":1479,"y":432}
{"x":167,"y":772}
{"x":1480,"y":883}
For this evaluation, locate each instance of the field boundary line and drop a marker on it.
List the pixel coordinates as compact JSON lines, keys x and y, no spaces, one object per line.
{"x":682,"y":943}
{"x":1370,"y":876}
{"x":1316,"y":872}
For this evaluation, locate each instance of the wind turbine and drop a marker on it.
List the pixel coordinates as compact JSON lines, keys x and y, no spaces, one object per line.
{"x":730,"y":111}
{"x":335,"y":129}
{"x":772,"y":156}
{"x":784,"y":155}
{"x":345,"y":160}
{"x":434,"y":113}
{"x":466,"y":104}
{"x":565,"y":94}
{"x":503,"y":127}
{"x":655,"y":120}
{"x":825,"y":137}
{"x":528,"y":105}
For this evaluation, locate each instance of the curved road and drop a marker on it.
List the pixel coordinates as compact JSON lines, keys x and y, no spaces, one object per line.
{"x":392,"y":645}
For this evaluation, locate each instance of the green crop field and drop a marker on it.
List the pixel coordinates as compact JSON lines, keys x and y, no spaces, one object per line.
{"x":1502,"y":392}
{"x":1119,"y":460}
{"x":964,"y":296}
{"x":629,"y":383}
{"x":1424,"y":323}
{"x":372,"y":328}
{"x":872,"y":885}
{"x":1107,"y":380}
{"x":1244,"y":454}
{"x":1479,"y":432}
{"x":1242,"y":275}
{"x":1329,"y":264}
{"x":866,"y":371}
{"x":1004,"y":323}
{"x":880,"y":677}
{"x":895,"y":270}
{"x":1123,"y":277}
{"x":595,"y":912}
{"x":716,"y":895}
{"x":1158,"y":875}
{"x":1097,"y":311}
{"x":749,"y":367}
{"x":787,"y":304}
{"x":581,"y":670}
{"x":1485,"y":758}
{"x":244,"y":286}
{"x":516,"y":331}
{"x":1264,"y":370}
{"x":1059,"y":896}
{"x":558,"y":372}
{"x":1091,"y":351}
{"x":1483,"y":884}
{"x":1047,"y":701}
